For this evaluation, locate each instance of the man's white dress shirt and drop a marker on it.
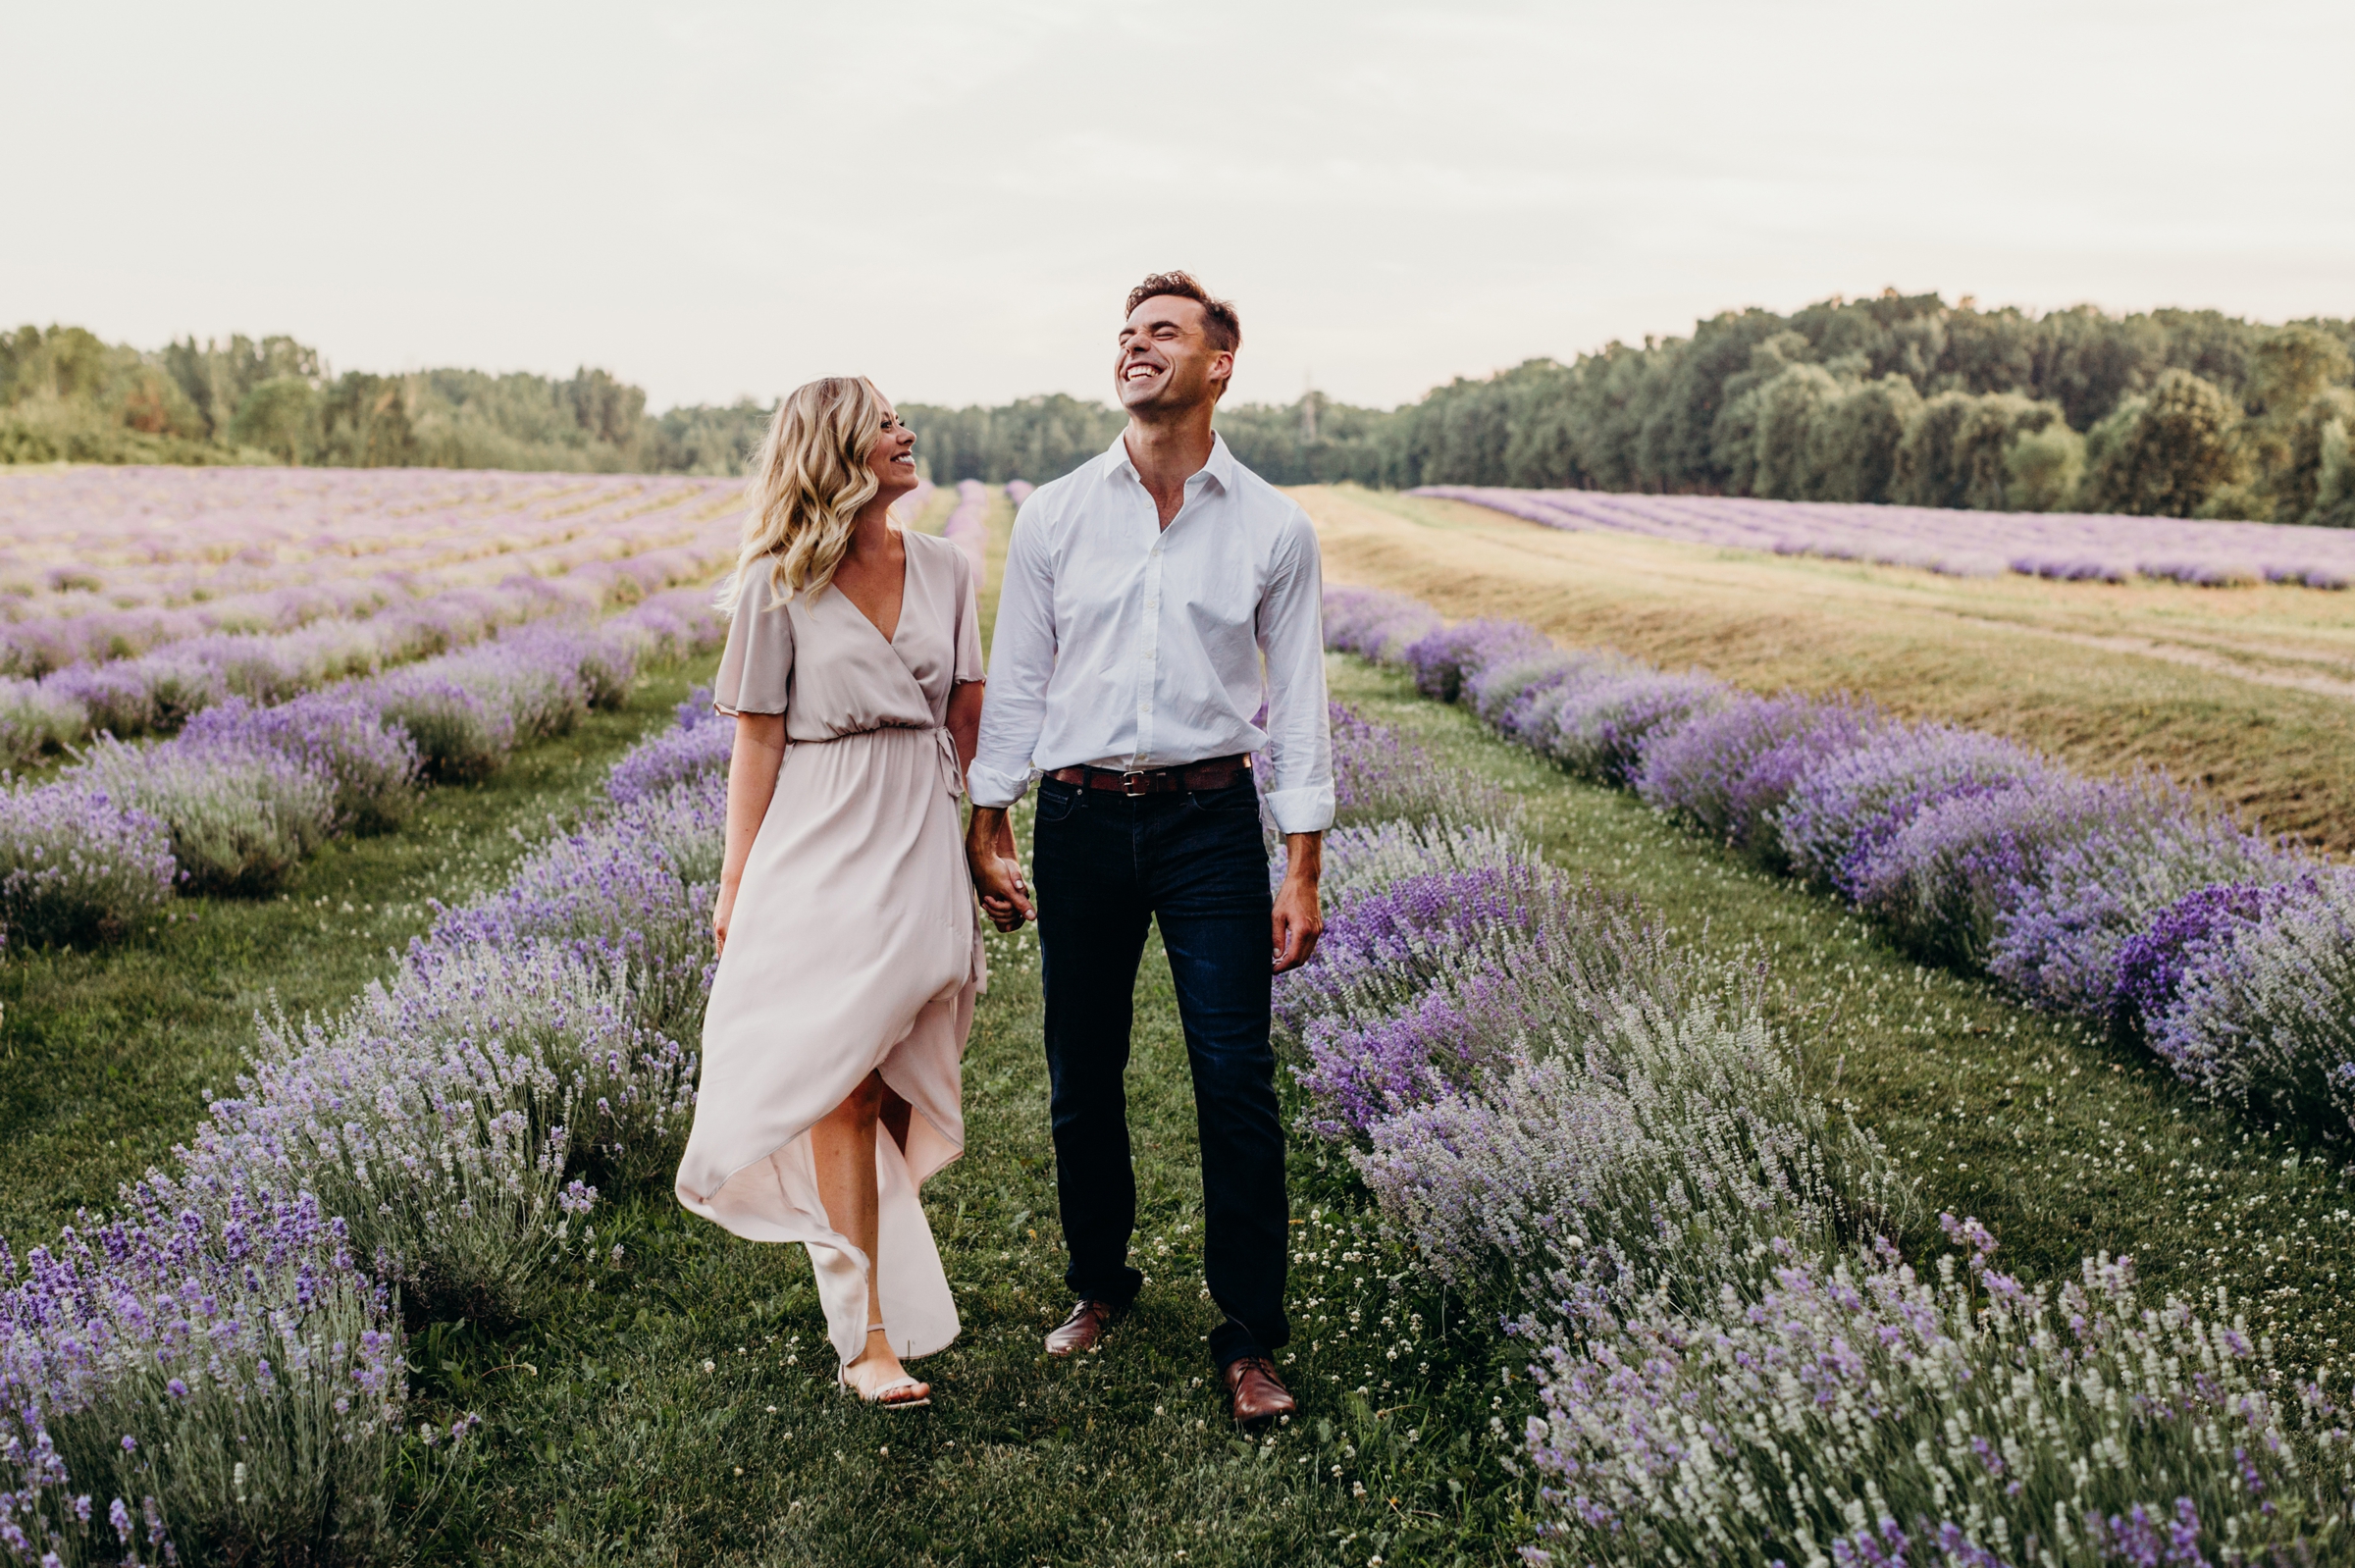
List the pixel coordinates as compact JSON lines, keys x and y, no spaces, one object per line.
{"x":1124,"y":645}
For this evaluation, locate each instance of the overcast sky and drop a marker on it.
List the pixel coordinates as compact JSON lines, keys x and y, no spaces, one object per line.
{"x":714,"y":199}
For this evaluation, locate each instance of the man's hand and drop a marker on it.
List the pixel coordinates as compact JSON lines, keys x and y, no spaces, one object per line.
{"x":1299,"y":919}
{"x":997,"y":870}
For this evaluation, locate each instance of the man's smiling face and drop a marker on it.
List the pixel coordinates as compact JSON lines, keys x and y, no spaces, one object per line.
{"x":1166,"y":360}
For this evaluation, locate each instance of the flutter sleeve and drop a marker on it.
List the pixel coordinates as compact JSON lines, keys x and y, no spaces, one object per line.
{"x":969,"y":623}
{"x":756,"y":668}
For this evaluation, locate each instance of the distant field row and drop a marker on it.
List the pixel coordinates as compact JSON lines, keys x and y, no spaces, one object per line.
{"x":2249,"y":693}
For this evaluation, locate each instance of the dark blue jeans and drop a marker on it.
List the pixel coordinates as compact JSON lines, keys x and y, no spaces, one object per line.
{"x":1105,"y":867}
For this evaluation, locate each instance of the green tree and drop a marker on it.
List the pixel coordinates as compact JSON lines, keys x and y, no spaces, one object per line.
{"x":2164,"y":454}
{"x":280,"y":417}
{"x":1852,"y":443}
{"x":364,"y":422}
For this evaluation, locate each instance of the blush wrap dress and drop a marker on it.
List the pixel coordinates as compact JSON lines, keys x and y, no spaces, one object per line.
{"x":855,"y":945}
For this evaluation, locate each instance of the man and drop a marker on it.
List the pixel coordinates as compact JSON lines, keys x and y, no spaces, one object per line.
{"x":1142,"y":594}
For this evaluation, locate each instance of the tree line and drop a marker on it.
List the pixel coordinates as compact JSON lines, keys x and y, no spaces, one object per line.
{"x":67,"y":395}
{"x":1898,"y":398}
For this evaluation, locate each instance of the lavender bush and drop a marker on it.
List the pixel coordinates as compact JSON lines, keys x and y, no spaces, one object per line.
{"x":1856,"y":1413}
{"x":2264,"y":1012}
{"x":242,"y":819}
{"x":1663,"y":1150}
{"x":1380,"y":775}
{"x":1728,"y":771}
{"x":696,"y":748}
{"x":634,"y":889}
{"x":444,"y":1112}
{"x":373,"y":767}
{"x":1442,"y":659}
{"x":78,"y":865}
{"x":1374,"y":625}
{"x":2058,"y":939}
{"x":1603,"y":729}
{"x":1837,"y":815}
{"x":35,"y":719}
{"x":223,"y":1367}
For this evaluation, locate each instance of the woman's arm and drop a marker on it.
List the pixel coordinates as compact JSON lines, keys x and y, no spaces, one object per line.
{"x":964,"y":722}
{"x":751,"y":780}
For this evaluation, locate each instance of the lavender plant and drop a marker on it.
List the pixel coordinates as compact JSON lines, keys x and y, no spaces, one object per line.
{"x":1442,"y":659}
{"x":1852,"y":1412}
{"x":1380,"y":775}
{"x":372,"y":766}
{"x":2059,"y":938}
{"x":2264,"y":1012}
{"x":224,"y":1369}
{"x":1601,"y":730}
{"x":633,"y":888}
{"x":242,"y":817}
{"x":1375,"y":625}
{"x":35,"y":719}
{"x":1839,"y":813}
{"x":443,"y":1114}
{"x":1727,"y":772}
{"x":77,"y":864}
{"x":696,"y":748}
{"x":1657,"y":1150}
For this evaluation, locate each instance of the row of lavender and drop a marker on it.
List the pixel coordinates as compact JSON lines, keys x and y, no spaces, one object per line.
{"x":2068,"y":546}
{"x":2127,"y":900}
{"x":1600,"y":1140}
{"x":223,"y":1359}
{"x":155,"y":690}
{"x":243,"y":793}
{"x":101,"y":563}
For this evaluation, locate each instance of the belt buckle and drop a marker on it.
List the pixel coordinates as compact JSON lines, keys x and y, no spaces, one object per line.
{"x":1132,"y":784}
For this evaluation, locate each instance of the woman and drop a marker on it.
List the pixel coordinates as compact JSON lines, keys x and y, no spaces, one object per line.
{"x":849,"y":955}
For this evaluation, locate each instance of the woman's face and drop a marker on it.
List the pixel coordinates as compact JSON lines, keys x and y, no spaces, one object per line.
{"x":892,"y":455}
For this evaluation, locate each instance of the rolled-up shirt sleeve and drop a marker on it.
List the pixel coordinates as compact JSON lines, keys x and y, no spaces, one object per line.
{"x":1022,"y":660}
{"x":1292,"y":638}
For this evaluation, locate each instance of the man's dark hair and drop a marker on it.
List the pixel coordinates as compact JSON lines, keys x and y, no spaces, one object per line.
{"x":1220,"y":323}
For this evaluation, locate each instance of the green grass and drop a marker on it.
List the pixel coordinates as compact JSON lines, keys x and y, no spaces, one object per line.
{"x":107,"y":1057}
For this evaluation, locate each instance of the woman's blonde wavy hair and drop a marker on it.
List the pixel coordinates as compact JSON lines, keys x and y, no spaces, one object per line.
{"x":807,"y":483}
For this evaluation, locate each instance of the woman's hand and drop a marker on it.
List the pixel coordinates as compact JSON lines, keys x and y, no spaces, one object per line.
{"x":724,"y":909}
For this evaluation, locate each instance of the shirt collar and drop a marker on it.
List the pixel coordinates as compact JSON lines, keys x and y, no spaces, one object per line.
{"x":1220,"y":467}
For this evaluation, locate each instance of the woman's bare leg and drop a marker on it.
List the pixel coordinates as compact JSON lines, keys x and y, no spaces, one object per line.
{"x":843,"y":1146}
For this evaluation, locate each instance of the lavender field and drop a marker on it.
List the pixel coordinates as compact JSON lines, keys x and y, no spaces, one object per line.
{"x":2064,"y":546}
{"x":1677,"y":1067}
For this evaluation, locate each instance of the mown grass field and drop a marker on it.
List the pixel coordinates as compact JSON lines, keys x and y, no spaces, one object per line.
{"x":676,"y":1405}
{"x":2249,"y":692}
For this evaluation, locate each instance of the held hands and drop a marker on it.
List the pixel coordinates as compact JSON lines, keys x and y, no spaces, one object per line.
{"x":997,"y":870}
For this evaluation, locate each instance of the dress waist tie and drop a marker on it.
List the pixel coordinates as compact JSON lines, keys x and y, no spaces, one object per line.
{"x":944,"y":746}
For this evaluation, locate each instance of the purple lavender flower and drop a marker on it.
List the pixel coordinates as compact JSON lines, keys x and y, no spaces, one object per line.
{"x":1442,"y":660}
{"x":78,"y":864}
{"x":1728,"y":771}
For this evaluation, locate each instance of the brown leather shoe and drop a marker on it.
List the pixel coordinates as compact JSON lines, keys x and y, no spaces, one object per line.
{"x":1084,"y":1329}
{"x":1257,"y":1394}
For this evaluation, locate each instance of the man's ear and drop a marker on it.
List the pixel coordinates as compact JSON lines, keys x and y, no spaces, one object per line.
{"x":1221,"y":370}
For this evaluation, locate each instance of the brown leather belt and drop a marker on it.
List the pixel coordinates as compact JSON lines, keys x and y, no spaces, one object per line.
{"x":1216,"y":773}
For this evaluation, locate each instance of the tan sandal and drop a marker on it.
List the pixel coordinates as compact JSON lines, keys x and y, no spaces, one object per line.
{"x":904,"y":1388}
